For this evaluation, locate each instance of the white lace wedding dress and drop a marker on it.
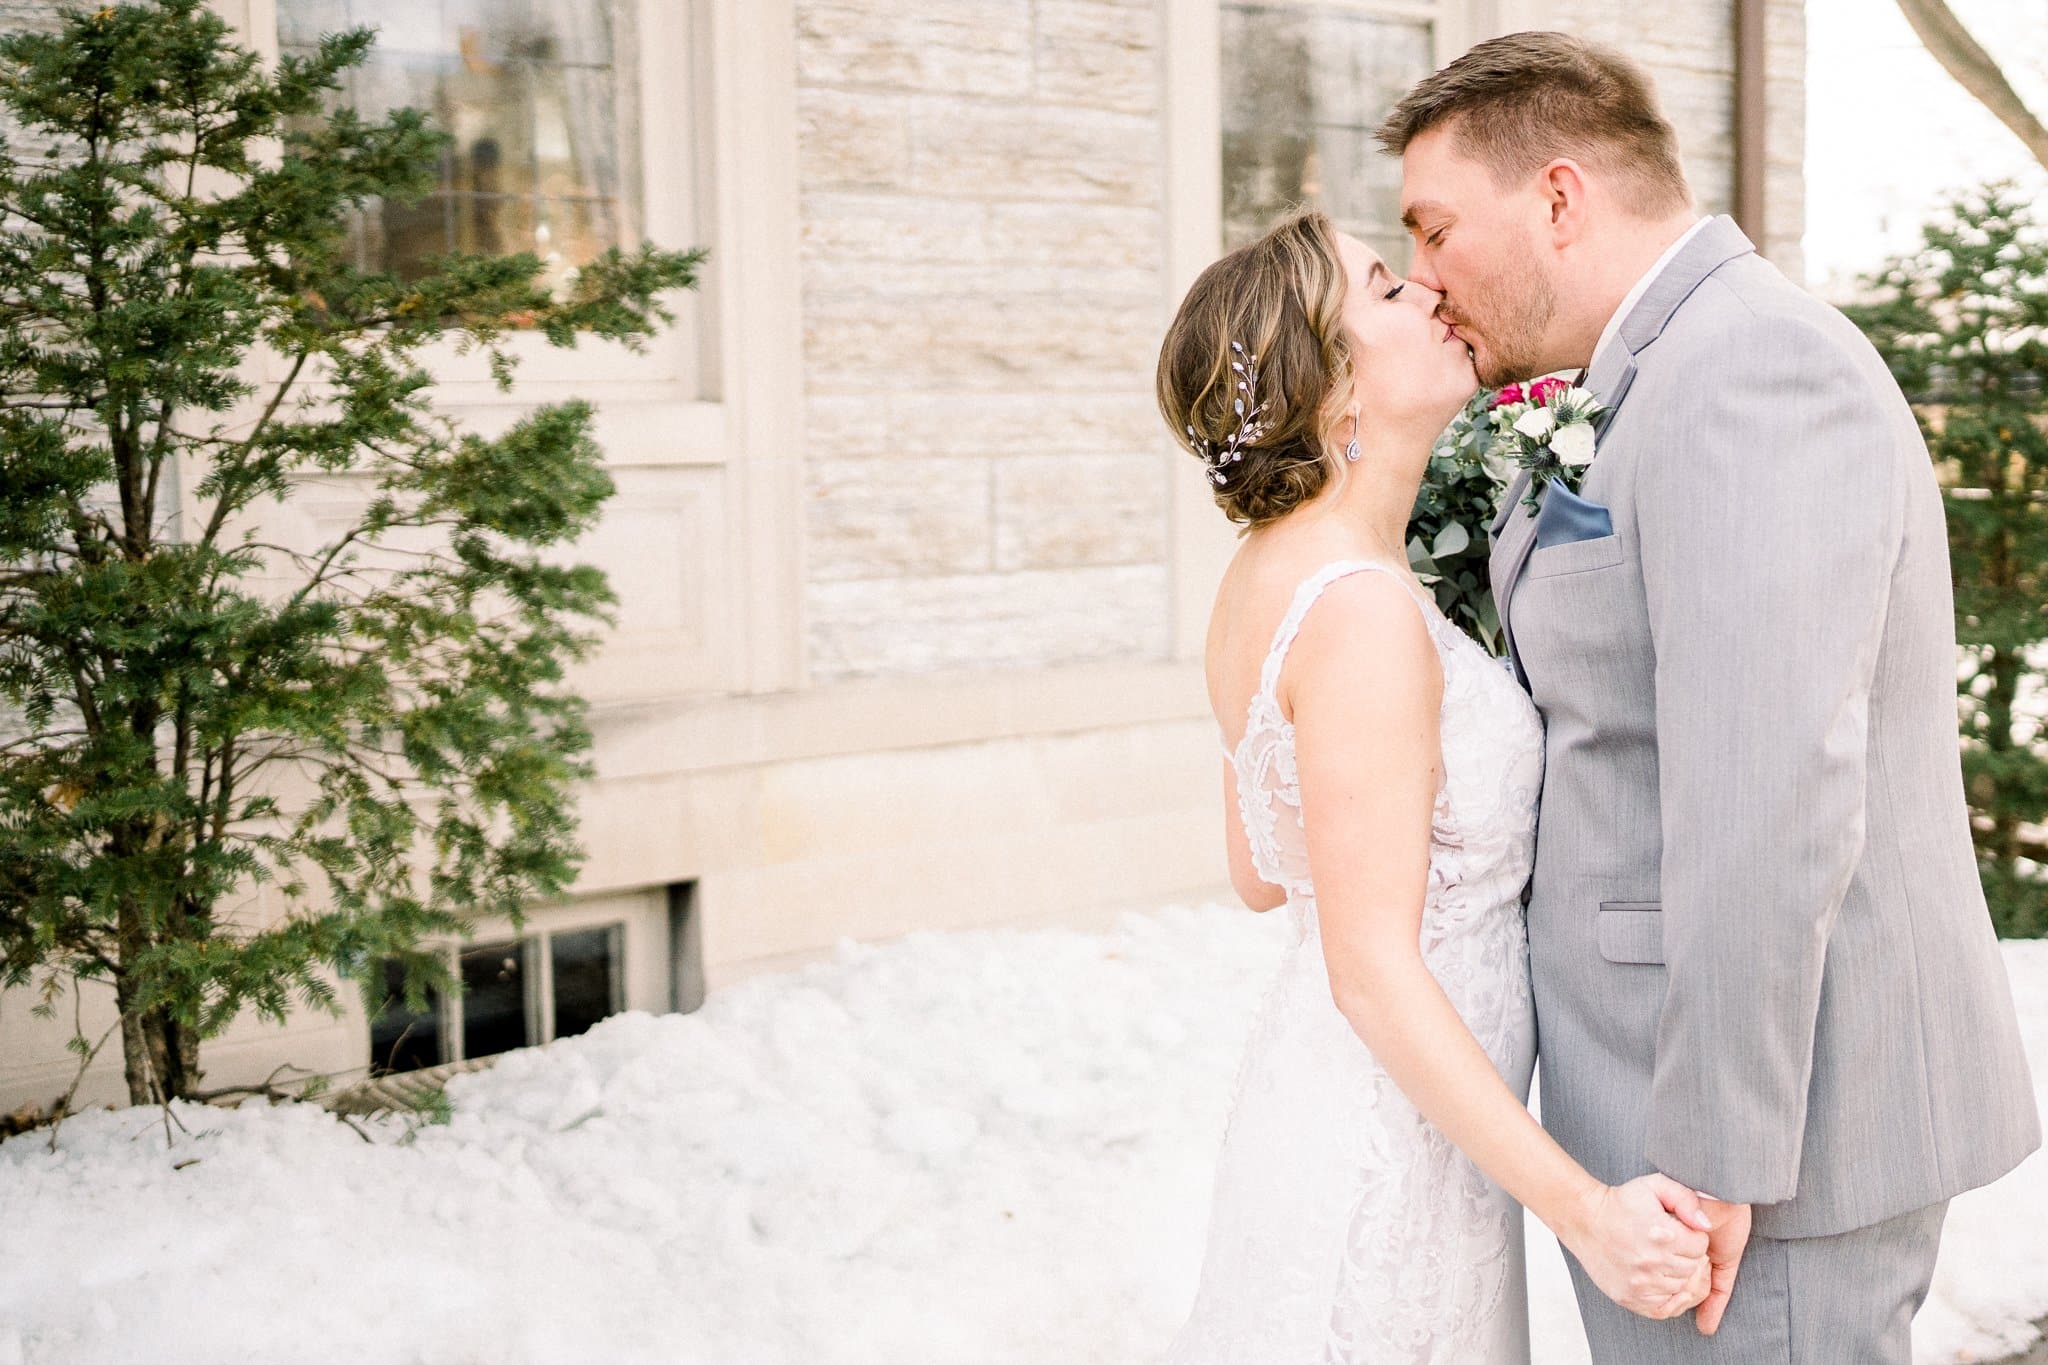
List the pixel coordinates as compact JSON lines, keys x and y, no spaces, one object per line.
{"x":1344,"y":1229}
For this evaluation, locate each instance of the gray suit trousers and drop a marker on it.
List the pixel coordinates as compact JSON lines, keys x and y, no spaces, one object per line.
{"x":1842,"y":1300}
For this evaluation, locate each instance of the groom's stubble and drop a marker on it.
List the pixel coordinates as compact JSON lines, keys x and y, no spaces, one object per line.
{"x":1506,"y":316}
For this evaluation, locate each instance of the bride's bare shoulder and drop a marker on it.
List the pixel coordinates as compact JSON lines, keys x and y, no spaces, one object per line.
{"x":1260,"y":583}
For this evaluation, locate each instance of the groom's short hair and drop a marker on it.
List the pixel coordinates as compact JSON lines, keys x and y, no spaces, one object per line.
{"x":1519,"y":101}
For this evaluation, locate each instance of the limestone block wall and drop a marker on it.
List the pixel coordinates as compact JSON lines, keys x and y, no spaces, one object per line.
{"x":982,"y":199}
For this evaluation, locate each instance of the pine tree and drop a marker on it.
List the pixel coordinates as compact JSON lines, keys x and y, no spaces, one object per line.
{"x":374,"y":730}
{"x":1963,"y":323}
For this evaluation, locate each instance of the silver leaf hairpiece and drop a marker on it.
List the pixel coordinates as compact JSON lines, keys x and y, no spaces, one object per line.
{"x":1248,"y":408}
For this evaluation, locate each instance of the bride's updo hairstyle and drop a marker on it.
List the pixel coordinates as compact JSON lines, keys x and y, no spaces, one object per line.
{"x":1273,"y":307}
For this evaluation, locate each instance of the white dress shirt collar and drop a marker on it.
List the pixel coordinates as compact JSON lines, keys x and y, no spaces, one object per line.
{"x":1641,"y":287}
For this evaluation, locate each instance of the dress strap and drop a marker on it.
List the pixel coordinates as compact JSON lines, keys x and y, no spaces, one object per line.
{"x":1305,"y":597}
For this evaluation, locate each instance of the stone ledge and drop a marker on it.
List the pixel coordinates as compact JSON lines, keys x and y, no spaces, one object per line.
{"x":644,"y":737}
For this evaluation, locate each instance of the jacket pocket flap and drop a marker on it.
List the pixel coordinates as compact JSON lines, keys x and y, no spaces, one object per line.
{"x":1574,"y":556}
{"x":1632,"y":931}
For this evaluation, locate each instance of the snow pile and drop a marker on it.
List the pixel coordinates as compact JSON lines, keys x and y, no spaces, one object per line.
{"x":987,"y":1148}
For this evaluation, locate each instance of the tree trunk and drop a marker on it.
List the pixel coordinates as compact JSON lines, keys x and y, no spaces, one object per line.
{"x":135,"y":1049}
{"x":178,"y":1049}
{"x":161,"y":1055}
{"x":1974,"y":69}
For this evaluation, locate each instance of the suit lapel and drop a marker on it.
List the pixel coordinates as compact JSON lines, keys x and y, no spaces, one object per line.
{"x":1609,"y":383}
{"x":1507,"y":506}
{"x":1712,"y":247}
{"x":1514,"y":538}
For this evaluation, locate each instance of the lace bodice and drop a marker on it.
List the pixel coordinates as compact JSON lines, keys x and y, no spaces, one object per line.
{"x":1344,"y":1228}
{"x":1482,"y":833}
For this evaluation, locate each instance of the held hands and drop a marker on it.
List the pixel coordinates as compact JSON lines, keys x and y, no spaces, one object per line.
{"x":1645,"y":1244}
{"x":1727,"y":1239}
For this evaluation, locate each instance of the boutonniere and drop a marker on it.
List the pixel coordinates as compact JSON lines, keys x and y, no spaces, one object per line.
{"x":1546,"y":428}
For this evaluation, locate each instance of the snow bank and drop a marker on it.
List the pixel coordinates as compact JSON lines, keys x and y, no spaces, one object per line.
{"x":987,"y":1148}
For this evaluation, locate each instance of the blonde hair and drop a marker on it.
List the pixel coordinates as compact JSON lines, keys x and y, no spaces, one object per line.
{"x":1281,"y":298}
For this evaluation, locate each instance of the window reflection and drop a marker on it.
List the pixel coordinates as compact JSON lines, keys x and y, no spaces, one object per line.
{"x":540,"y":108}
{"x":507,"y":1001}
{"x":1303,"y":89}
{"x":494,"y":998}
{"x":586,"y":978}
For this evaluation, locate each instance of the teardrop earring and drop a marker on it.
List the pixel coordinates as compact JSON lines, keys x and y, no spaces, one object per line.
{"x":1351,"y":451}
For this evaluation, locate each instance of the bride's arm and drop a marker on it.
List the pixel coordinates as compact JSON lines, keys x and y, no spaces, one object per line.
{"x":1365,"y":687}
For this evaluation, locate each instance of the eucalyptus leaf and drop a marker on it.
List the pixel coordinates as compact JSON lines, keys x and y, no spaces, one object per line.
{"x":1453,"y":510}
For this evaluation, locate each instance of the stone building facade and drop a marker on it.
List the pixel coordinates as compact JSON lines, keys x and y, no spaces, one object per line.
{"x":913,"y":583}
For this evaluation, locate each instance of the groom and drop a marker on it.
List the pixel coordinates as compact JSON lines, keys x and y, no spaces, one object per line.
{"x":1762,"y":960}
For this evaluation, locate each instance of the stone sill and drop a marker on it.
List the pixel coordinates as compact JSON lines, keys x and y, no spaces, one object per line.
{"x":646,"y":736}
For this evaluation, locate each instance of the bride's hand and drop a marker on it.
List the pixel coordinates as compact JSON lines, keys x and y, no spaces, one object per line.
{"x":1645,"y":1245}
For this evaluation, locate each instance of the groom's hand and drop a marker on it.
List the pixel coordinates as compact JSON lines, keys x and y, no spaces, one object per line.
{"x":1727,"y":1239}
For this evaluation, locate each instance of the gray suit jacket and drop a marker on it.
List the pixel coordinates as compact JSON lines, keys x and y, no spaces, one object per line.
{"x":1762,"y":959}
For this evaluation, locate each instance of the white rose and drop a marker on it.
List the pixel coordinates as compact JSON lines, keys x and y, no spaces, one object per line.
{"x":1536,"y":423}
{"x":1574,"y":444}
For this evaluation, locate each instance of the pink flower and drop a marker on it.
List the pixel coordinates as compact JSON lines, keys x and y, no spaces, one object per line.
{"x":1542,"y":389}
{"x":1511,"y":394}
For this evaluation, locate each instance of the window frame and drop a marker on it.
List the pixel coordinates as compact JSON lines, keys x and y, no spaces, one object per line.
{"x":537,"y":966}
{"x":728,"y":425}
{"x":1201,"y":543}
{"x":1451,"y":24}
{"x":677,"y":368}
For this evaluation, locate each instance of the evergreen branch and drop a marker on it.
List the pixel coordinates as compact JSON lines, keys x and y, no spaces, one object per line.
{"x":221,"y":506}
{"x":39,"y":742}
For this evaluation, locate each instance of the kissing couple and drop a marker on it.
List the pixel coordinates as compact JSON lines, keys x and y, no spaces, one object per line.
{"x":1702,"y":835}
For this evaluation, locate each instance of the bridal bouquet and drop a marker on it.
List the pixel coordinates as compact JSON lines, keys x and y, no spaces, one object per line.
{"x":1545,"y":427}
{"x":1470,"y":468}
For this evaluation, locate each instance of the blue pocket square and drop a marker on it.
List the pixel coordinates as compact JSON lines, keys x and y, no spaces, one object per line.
{"x":1566,"y":517}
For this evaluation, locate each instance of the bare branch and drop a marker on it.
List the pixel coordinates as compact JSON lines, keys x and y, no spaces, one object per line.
{"x":63,"y":1106}
{"x":1964,"y":58}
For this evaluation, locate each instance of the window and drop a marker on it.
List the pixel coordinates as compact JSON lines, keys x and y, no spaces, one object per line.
{"x":542,"y":105}
{"x":516,"y":993}
{"x":1305,"y":82}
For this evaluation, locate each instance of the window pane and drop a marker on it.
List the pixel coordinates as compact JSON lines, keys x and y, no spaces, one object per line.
{"x":494,"y":998}
{"x":586,"y":977}
{"x":401,"y":1040}
{"x":1303,"y":89}
{"x":541,"y":115}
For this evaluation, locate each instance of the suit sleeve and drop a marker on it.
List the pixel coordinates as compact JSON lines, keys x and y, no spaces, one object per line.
{"x":1769,"y":530}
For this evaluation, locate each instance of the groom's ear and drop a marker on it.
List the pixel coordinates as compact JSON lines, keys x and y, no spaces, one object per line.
{"x":1562,"y":183}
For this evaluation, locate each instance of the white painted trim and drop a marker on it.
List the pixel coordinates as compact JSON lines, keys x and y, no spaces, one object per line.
{"x":1201,"y":540}
{"x":751,"y":47}
{"x":1490,"y":19}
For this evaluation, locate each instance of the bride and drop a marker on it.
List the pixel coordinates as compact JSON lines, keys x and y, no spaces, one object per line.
{"x":1382,"y":770}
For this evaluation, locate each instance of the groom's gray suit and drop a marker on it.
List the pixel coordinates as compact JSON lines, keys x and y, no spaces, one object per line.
{"x":1762,"y":960}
